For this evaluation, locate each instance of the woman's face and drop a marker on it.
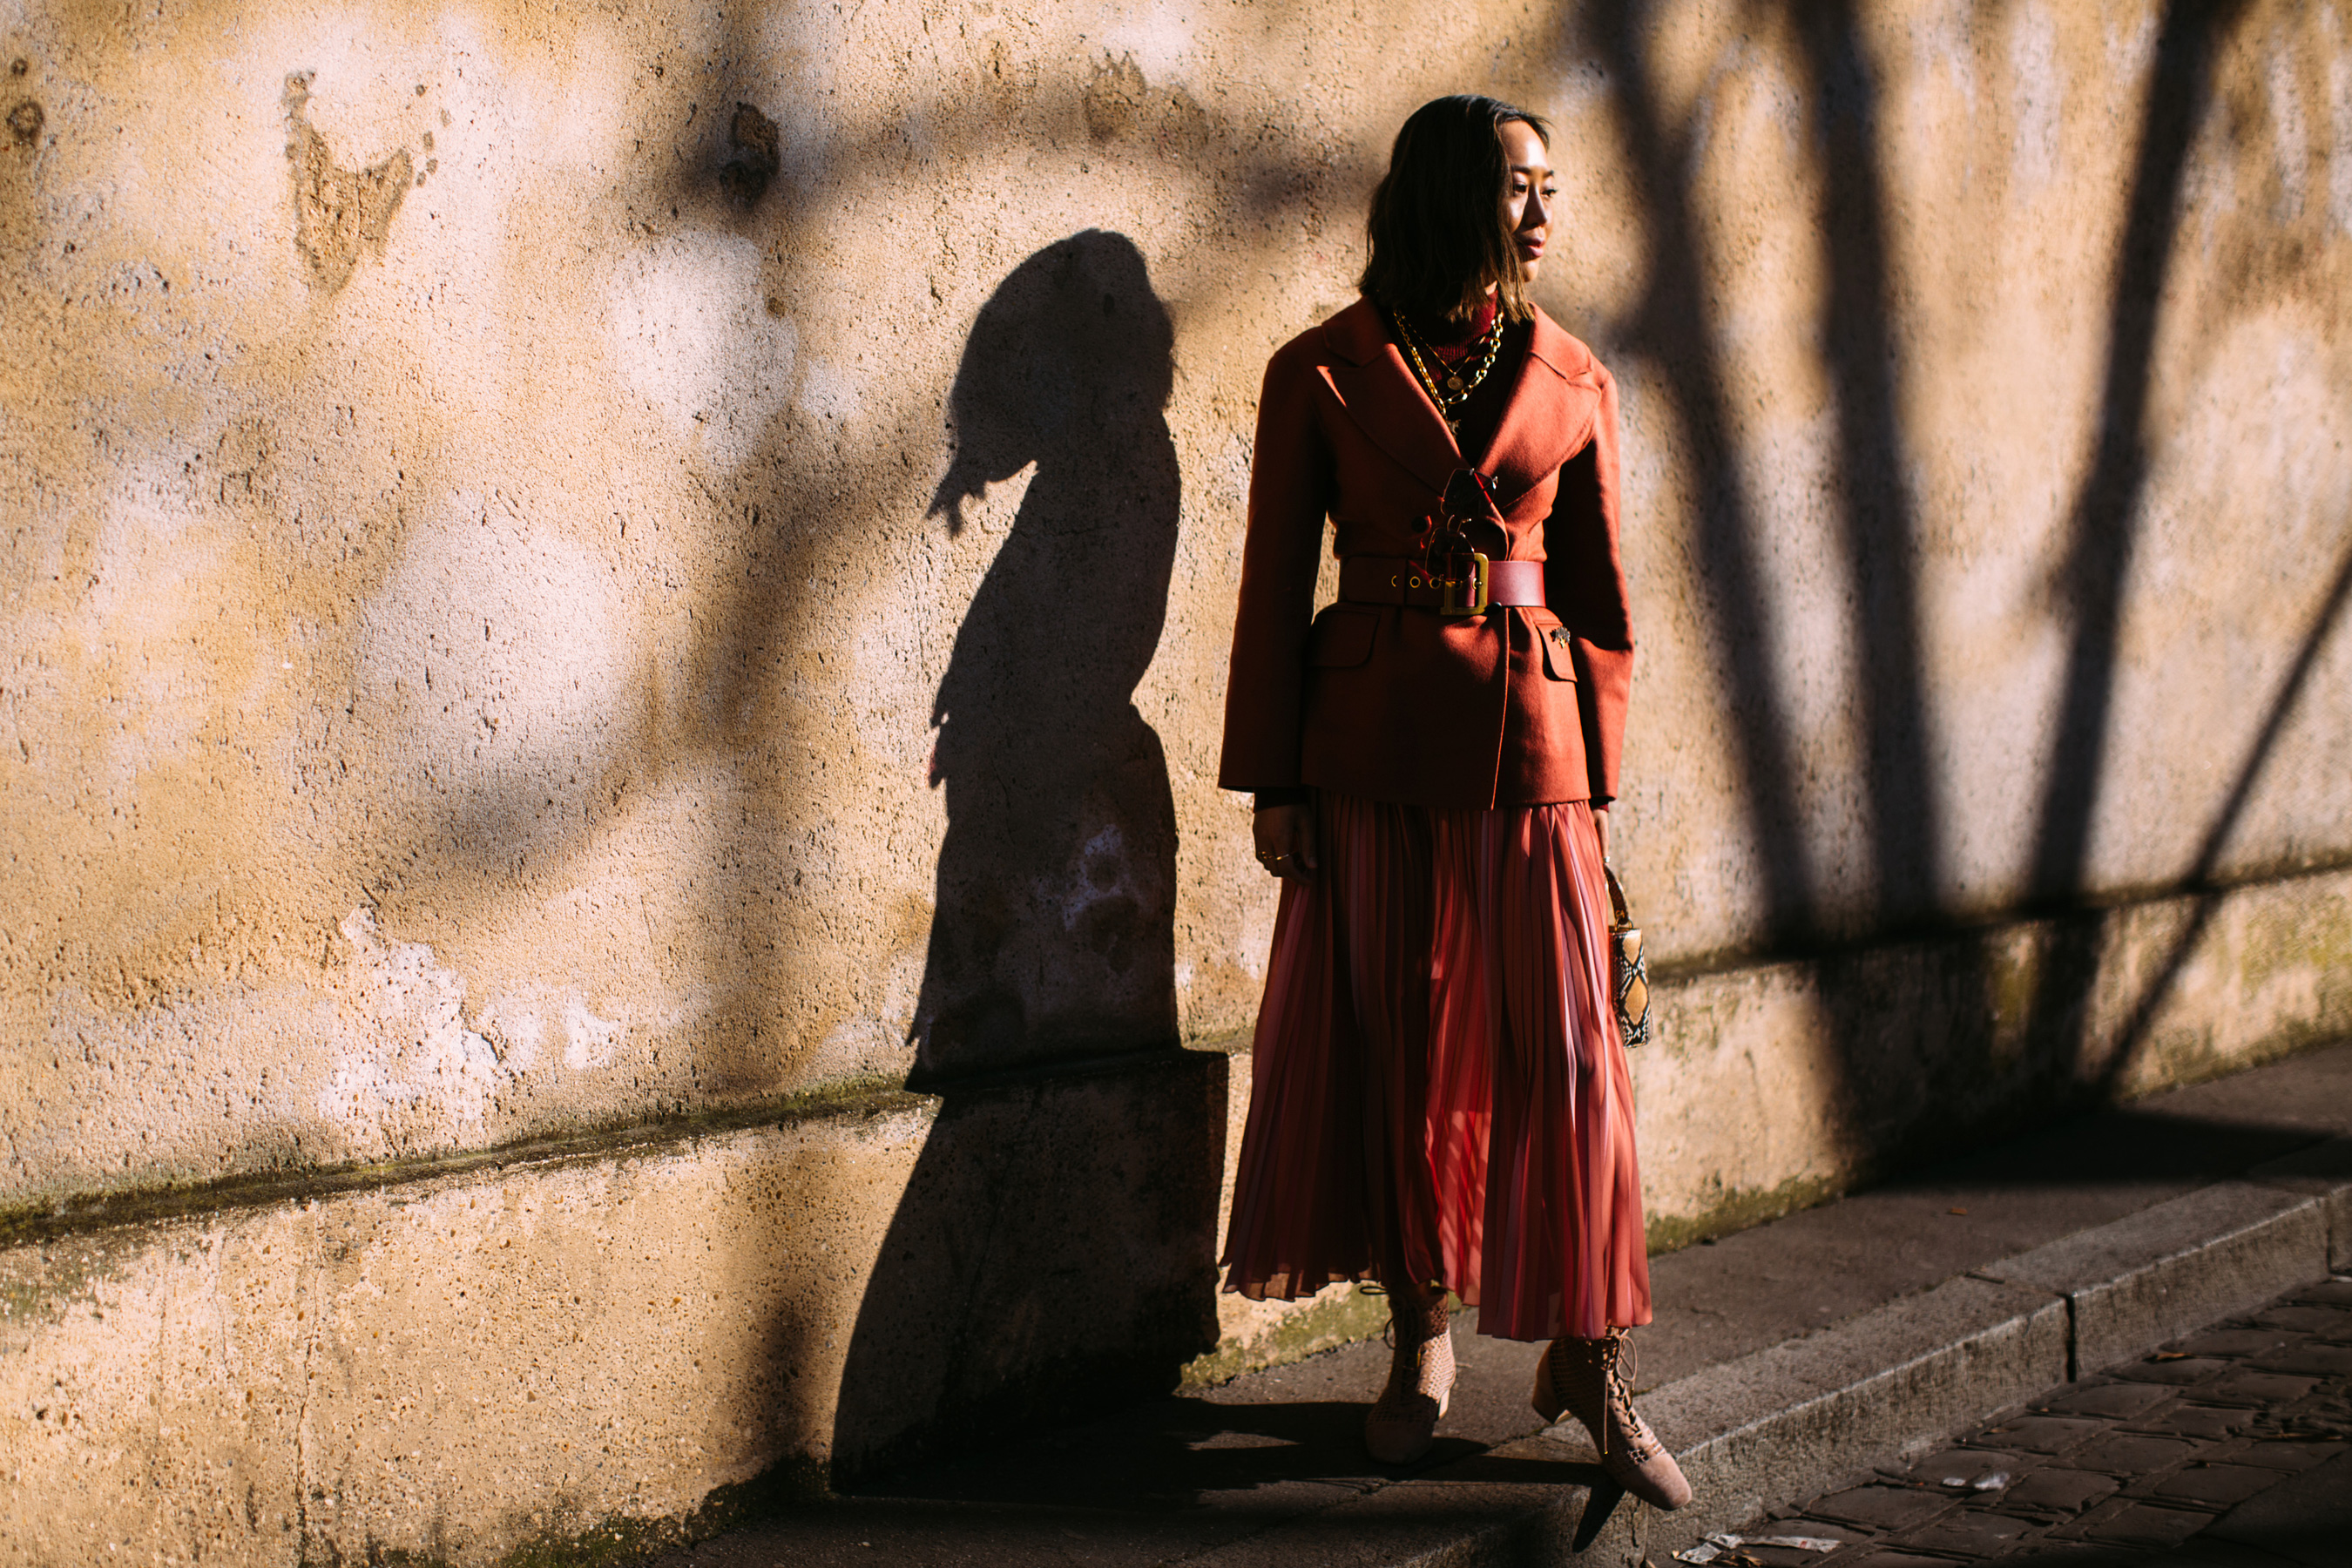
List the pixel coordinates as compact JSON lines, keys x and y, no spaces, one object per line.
{"x":1527,"y":196}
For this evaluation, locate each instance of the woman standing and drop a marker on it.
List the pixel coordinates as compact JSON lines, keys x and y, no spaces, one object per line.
{"x":1440,"y":1096}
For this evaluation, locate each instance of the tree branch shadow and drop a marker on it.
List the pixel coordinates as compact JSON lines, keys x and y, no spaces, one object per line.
{"x":2201,"y":876}
{"x":1915,"y":1056}
{"x":1675,"y":324}
{"x":1877,"y":515}
{"x":2105,"y":523}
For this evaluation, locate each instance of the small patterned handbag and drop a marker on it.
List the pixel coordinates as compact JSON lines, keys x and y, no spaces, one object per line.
{"x":1632,"y":973}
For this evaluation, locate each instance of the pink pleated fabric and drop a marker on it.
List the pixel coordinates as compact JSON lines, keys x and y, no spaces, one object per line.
{"x":1438,"y":1087}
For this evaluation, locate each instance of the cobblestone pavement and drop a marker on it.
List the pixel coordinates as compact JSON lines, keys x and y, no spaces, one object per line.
{"x":2159,"y":1461}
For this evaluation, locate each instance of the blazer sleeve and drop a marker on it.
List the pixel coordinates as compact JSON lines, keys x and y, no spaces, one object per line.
{"x":1291,"y":482}
{"x":1584,"y":583}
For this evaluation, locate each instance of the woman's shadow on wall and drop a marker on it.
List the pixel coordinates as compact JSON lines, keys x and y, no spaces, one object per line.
{"x":1052,"y":1247}
{"x":1055,"y":929}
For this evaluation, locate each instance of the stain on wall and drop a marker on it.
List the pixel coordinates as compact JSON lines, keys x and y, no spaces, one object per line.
{"x":752,"y":157}
{"x":339,"y":215}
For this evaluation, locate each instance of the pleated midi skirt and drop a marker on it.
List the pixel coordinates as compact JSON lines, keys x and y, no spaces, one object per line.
{"x":1438,"y":1086}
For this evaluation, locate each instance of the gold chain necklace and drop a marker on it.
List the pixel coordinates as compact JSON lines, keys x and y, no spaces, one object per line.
{"x":1455,"y":390}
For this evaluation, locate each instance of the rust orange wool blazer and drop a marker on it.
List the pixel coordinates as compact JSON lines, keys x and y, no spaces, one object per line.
{"x":1394,"y":702}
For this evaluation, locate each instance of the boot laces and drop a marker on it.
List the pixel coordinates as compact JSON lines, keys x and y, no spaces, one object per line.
{"x":1617,"y":1374}
{"x":1422,"y":1349}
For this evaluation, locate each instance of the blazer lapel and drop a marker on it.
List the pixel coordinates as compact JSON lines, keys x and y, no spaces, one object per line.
{"x":1380,"y":394}
{"x":1549,"y":417}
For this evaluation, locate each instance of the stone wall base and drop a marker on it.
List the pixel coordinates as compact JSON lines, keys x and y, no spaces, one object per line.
{"x":601,"y":1347}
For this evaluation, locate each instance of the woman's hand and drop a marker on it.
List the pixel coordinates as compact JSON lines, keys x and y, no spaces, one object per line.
{"x":1601,"y":825}
{"x":1285,"y":839}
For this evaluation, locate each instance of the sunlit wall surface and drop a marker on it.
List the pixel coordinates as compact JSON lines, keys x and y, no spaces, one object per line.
{"x":530,"y":583}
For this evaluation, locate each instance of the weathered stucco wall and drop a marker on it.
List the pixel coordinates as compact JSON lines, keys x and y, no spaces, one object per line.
{"x":531,"y":585}
{"x":567,"y":1354}
{"x":578,"y":570}
{"x":581,"y":1352}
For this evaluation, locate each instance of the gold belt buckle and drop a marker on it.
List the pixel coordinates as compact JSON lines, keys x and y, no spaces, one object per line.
{"x":1463,"y":573}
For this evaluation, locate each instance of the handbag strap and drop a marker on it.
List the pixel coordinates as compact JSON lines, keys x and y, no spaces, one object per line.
{"x":1619,"y":919}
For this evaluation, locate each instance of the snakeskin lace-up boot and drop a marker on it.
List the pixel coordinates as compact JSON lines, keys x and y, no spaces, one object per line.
{"x":1400,"y":1426}
{"x":1586,"y":1378}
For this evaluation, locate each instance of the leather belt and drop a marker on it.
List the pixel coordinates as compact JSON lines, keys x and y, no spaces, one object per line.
{"x":1397,"y":580}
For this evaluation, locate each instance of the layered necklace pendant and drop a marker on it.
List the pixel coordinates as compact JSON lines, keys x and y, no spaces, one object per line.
{"x":1450,"y":387}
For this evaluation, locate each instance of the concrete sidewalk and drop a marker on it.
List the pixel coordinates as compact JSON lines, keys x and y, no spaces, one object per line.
{"x":2232,"y":1446}
{"x":1783,"y":1359}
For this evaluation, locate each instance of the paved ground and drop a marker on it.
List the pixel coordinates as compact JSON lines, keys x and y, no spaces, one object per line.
{"x":1783,"y":1359}
{"x":2230,"y":1447}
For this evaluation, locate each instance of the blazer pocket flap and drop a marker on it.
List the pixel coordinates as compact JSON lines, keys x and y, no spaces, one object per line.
{"x":1559,"y":651}
{"x":1340,"y":637}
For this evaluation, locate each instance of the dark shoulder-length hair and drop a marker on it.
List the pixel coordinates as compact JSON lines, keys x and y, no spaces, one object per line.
{"x":1437,"y":235}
